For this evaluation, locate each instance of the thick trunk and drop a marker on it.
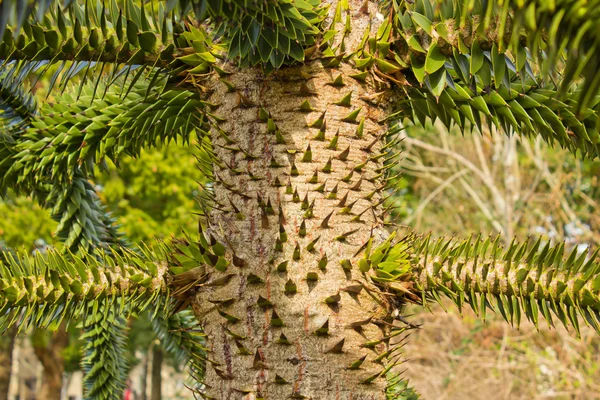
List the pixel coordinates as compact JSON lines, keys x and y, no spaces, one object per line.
{"x":49,"y":348}
{"x":7,"y":343}
{"x":288,"y":199}
{"x":157,"y":361}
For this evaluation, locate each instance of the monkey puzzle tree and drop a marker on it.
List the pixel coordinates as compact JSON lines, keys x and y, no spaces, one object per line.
{"x":296,"y":277}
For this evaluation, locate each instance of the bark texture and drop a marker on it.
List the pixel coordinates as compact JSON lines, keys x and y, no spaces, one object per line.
{"x":297,"y":194}
{"x":48,"y":348}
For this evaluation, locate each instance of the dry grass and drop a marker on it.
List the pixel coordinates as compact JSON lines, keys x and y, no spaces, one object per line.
{"x":464,"y":358}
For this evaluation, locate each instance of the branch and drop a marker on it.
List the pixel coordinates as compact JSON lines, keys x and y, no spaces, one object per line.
{"x":523,"y":279}
{"x":37,"y":290}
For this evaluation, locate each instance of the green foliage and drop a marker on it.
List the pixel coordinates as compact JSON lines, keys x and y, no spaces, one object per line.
{"x":264,"y":32}
{"x":23,"y":222}
{"x":462,"y":71}
{"x":153,"y":194}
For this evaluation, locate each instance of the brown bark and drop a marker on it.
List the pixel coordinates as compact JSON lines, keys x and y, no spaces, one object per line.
{"x":49,"y":350}
{"x":7,"y":344}
{"x":157,"y":361}
{"x":292,"y":190}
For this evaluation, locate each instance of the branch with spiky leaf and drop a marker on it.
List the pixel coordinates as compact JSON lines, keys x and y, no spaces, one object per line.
{"x":78,"y":132}
{"x":36,"y":290}
{"x":105,"y":369}
{"x":181,"y":337}
{"x":525,"y":279}
{"x":463,"y":62}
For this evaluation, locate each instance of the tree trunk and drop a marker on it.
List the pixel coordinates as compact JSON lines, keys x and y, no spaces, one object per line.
{"x":49,"y":348}
{"x":296,"y":196}
{"x":7,"y":344}
{"x":144,"y":383}
{"x":157,"y":360}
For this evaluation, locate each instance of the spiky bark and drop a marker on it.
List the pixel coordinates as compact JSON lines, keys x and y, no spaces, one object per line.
{"x":296,"y":195}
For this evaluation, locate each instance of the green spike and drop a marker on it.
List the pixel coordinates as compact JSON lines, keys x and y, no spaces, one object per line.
{"x":314,"y":178}
{"x":361,"y":128}
{"x":282,"y":234}
{"x":230,"y":86}
{"x":321,"y":135}
{"x":346,"y":265}
{"x":348,"y":177}
{"x":312,"y":277}
{"x":323,"y":262}
{"x":344,"y":236}
{"x":271,"y":127}
{"x":360,"y":166}
{"x":296,"y":255}
{"x":356,"y":364}
{"x":278,"y":245}
{"x":274,"y":163}
{"x":351,"y":118}
{"x":294,"y":170}
{"x":334,"y":141}
{"x":283,"y":340}
{"x":361,"y":77}
{"x":337,"y":82}
{"x":309,"y":212}
{"x":280,"y":381}
{"x":346,"y":210}
{"x":327,"y":168}
{"x":302,"y":231}
{"x":276,"y":321}
{"x":323,"y":330}
{"x":290,"y":287}
{"x":263,"y":303}
{"x":254,"y":279}
{"x":305,"y":203}
{"x":333,"y":299}
{"x":307,"y":157}
{"x":321,"y":187}
{"x":333,"y":194}
{"x":306,"y":107}
{"x":263,"y":114}
{"x":288,"y":187}
{"x":311,"y":245}
{"x":279,"y":139}
{"x":241,"y":349}
{"x":230,"y":318}
{"x":282,"y":267}
{"x":319,"y":122}
{"x":346,"y":101}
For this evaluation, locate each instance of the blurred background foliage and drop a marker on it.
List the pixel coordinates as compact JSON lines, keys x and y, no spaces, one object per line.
{"x":455,"y":183}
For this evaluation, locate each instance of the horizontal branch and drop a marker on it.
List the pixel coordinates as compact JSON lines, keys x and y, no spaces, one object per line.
{"x":43,"y":289}
{"x":522,"y":279}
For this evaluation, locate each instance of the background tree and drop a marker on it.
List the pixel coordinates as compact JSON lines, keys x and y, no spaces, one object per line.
{"x":294,"y":277}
